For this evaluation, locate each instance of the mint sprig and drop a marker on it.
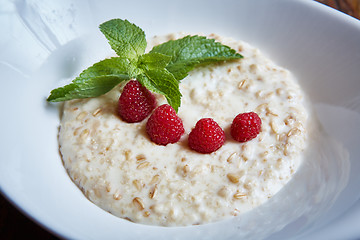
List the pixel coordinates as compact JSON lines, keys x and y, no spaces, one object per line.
{"x":160,"y":70}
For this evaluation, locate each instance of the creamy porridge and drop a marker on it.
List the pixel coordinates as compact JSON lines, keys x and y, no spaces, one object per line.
{"x":122,"y":171}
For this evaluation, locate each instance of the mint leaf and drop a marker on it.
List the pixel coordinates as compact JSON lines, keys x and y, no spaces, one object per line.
{"x":94,"y":81}
{"x":190,"y":51}
{"x":163,"y":82}
{"x":125,"y":38}
{"x":158,"y":79}
{"x":93,"y":87}
{"x":153,"y":60}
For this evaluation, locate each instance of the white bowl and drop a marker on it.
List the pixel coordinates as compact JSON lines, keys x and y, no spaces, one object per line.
{"x":45,"y":43}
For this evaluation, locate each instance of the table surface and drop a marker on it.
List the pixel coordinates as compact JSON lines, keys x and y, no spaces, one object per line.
{"x":11,"y":220}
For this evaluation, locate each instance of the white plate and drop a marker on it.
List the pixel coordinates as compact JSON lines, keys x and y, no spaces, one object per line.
{"x":44,"y":43}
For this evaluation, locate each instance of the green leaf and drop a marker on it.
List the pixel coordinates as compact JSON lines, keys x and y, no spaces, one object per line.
{"x":111,"y":66}
{"x":153,"y":60}
{"x":94,"y":81}
{"x":93,"y":87}
{"x":163,"y":82}
{"x":190,"y":51}
{"x":125,"y":38}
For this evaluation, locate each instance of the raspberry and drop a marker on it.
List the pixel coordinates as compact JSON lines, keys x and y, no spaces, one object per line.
{"x":164,"y":126}
{"x":245,"y":126}
{"x":135,"y":102}
{"x":207,"y":136}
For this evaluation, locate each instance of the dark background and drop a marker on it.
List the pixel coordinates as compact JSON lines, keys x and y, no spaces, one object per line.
{"x":14,"y":225}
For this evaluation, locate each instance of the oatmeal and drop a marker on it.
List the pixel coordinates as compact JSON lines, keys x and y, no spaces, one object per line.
{"x":122,"y":171}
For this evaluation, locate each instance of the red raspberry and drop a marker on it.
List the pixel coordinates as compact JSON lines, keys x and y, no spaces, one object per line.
{"x":245,"y":126}
{"x":164,"y":126}
{"x":135,"y":102}
{"x":207,"y":136}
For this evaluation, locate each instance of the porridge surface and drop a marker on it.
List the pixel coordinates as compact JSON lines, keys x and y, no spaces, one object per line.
{"x":119,"y":169}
